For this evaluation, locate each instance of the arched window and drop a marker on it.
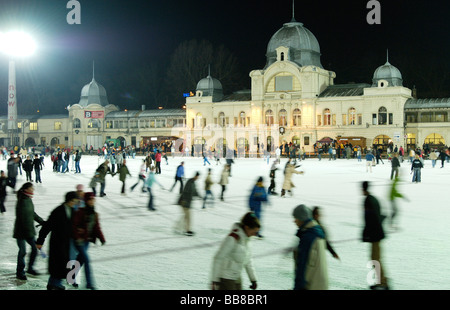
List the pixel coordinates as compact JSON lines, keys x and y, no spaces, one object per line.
{"x":94,"y":123}
{"x":327,"y":117}
{"x":242,"y":118}
{"x":352,"y":116}
{"x":198,"y":120}
{"x":76,"y":123}
{"x":282,"y":117}
{"x":297,"y":117}
{"x":382,"y":116}
{"x":222,"y":119}
{"x":269,"y":117}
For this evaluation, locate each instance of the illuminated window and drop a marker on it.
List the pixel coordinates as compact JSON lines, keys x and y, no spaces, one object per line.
{"x":58,"y":125}
{"x":33,"y":126}
{"x":326,"y":117}
{"x":297,"y":117}
{"x":282,"y":117}
{"x":76,"y":123}
{"x":382,"y":116}
{"x":269,"y":117}
{"x":352,"y":116}
{"x":94,"y":123}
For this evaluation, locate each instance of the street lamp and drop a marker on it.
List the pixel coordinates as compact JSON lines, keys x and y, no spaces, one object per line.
{"x":15,"y":44}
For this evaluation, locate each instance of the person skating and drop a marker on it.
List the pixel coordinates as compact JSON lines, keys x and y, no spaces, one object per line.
{"x":224,"y":179}
{"x":393,"y":195}
{"x":369,"y":161}
{"x":316,"y":216}
{"x":179,"y":175}
{"x":373,"y":233}
{"x":77,"y":161}
{"x":28,"y":168}
{"x":257,"y":196}
{"x":150,"y":180}
{"x":274,"y":168}
{"x":189,"y":192}
{"x":24,"y":230}
{"x":158,"y":162}
{"x":395,"y":166}
{"x":311,"y":269}
{"x":86,"y":229}
{"x":123,"y":173}
{"x":234,"y":255}
{"x":289,"y":171}
{"x":103,"y":170}
{"x":416,"y":167}
{"x":3,"y":192}
{"x":208,"y":192}
{"x":12,"y":165}
{"x":141,"y":177}
{"x":37,"y":165}
{"x":59,"y":223}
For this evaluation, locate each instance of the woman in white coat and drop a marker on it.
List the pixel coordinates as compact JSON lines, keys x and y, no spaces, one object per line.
{"x":234,"y":255}
{"x":288,"y":184}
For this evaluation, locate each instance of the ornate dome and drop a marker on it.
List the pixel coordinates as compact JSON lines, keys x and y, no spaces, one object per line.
{"x":211,"y":87}
{"x":389,"y":73}
{"x":303,"y":46}
{"x":93,"y":93}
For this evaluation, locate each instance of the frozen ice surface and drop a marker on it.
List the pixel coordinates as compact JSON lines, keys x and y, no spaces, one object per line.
{"x":143,"y":252}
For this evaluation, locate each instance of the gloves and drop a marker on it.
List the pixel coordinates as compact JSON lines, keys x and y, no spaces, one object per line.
{"x":254,"y":285}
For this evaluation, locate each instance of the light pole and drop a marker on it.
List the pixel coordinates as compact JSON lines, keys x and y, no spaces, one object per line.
{"x":15,"y":44}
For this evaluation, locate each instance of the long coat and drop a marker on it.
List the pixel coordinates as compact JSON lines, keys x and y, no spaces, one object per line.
{"x":25,"y":217}
{"x":373,"y":229}
{"x":60,"y":227}
{"x":86,"y":226}
{"x":289,"y":171}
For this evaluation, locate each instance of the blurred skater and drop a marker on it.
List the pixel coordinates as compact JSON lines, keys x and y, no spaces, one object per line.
{"x":3,"y":192}
{"x":224,"y":179}
{"x":257,"y":196}
{"x":86,"y":229}
{"x":289,"y":171}
{"x":311,"y":271}
{"x":393,"y":195}
{"x":151,"y":179}
{"x":185,"y":201}
{"x":179,"y":175}
{"x":234,"y":255}
{"x":208,"y":192}
{"x":141,"y":177}
{"x":123,"y":173}
{"x":274,"y":168}
{"x":373,"y":233}
{"x":316,"y":217}
{"x":24,"y":230}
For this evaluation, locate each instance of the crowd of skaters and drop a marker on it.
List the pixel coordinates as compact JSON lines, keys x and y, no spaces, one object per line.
{"x":310,"y":230}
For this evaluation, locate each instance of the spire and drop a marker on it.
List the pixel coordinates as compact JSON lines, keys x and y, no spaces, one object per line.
{"x":93,"y":70}
{"x":293,"y":12}
{"x":387,"y":57}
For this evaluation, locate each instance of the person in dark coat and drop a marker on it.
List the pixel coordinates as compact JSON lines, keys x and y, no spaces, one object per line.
{"x":59,"y":224}
{"x":24,"y":230}
{"x":185,"y":200}
{"x":416,"y":167}
{"x":28,"y":167}
{"x":395,"y":166}
{"x":373,"y":232}
{"x":257,"y":196}
{"x":274,"y":168}
{"x":37,"y":165}
{"x":442,"y":156}
{"x":13,"y":163}
{"x":123,"y":172}
{"x":86,"y":229}
{"x":3,"y":184}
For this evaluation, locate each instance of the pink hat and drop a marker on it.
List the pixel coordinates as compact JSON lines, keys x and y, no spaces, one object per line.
{"x":80,"y":187}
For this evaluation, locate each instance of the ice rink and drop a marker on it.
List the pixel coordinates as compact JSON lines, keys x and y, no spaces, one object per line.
{"x":142,"y":251}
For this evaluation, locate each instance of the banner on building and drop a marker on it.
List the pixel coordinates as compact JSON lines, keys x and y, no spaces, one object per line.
{"x":94,"y":114}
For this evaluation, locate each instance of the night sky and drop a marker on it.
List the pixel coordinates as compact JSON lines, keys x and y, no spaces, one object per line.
{"x":121,"y":36}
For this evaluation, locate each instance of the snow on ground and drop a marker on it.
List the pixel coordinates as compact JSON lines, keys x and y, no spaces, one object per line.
{"x":144,"y":253}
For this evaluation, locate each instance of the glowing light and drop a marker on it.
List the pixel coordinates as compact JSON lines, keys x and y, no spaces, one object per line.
{"x":17,"y":44}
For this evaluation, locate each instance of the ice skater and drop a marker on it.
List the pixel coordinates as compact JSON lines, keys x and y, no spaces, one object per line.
{"x":257,"y":196}
{"x":224,"y":179}
{"x":393,"y":195}
{"x":141,"y":177}
{"x":373,"y":233}
{"x":289,"y":171}
{"x":208,"y":192}
{"x":179,"y":175}
{"x":274,"y":168}
{"x":369,"y":161}
{"x":37,"y":165}
{"x":185,"y":201}
{"x":416,"y":167}
{"x":151,"y":179}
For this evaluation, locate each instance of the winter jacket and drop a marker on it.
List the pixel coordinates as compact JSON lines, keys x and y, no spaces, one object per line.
{"x":395,"y":162}
{"x":288,"y":172}
{"x":394,"y":192}
{"x":37,"y":164}
{"x":12,"y":168}
{"x":180,"y":171}
{"x":208,"y":183}
{"x":27,"y":165}
{"x":86,"y":226}
{"x":311,"y":266}
{"x":257,"y":196}
{"x":158,"y":157}
{"x":103,"y":170}
{"x":416,"y":164}
{"x":224,"y":177}
{"x":25,"y":218}
{"x":3,"y":184}
{"x":189,"y":192}
{"x":373,"y":229}
{"x":123,"y":172}
{"x":233,"y":255}
{"x":151,"y":179}
{"x":61,"y":230}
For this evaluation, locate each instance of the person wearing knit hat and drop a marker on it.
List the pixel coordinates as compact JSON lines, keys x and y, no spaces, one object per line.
{"x":311,"y":272}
